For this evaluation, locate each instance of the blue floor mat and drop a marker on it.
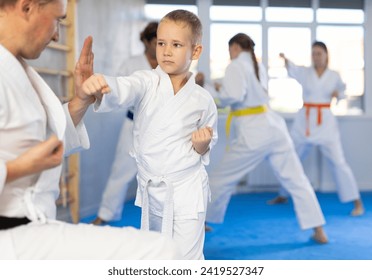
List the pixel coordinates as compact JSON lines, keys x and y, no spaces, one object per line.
{"x":254,"y":230}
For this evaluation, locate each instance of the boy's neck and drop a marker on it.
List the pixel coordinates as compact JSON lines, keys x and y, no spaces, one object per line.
{"x":178,"y":81}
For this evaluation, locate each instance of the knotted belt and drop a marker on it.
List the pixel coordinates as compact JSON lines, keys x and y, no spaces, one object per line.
{"x":168,"y":207}
{"x":319,"y":107}
{"x":243,"y":112}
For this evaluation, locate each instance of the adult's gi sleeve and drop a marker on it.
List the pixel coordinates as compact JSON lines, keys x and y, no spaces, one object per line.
{"x":3,"y":174}
{"x":76,"y":138}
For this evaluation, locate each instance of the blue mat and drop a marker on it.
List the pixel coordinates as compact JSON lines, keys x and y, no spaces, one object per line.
{"x":254,"y":230}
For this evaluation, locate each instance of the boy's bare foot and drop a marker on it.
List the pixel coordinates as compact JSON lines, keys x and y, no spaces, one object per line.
{"x":358,"y":208}
{"x":277,"y":200}
{"x":98,"y":221}
{"x":319,"y":236}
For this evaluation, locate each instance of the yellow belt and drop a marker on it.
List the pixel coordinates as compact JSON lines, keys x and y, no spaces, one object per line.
{"x":243,"y":112}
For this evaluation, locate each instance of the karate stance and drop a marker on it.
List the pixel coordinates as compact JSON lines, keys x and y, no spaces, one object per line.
{"x":124,"y":168}
{"x":259,"y":134}
{"x":174,"y":130}
{"x":315,"y":125}
{"x":34,"y":131}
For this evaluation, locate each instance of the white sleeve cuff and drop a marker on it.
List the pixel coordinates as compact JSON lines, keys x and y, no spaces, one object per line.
{"x":3,"y":174}
{"x":76,"y":138}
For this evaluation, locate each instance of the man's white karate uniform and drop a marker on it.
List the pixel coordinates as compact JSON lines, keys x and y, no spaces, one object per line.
{"x":258,"y":137}
{"x":29,"y":113}
{"x":172,"y":182}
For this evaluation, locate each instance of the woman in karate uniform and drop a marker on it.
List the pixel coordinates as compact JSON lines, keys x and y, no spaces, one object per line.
{"x":124,"y":168}
{"x":259,"y":134}
{"x":315,"y":125}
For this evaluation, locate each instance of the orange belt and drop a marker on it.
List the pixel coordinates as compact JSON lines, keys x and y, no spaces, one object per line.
{"x":319,"y":107}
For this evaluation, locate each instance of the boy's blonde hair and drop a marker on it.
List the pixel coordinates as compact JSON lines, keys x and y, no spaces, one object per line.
{"x":190,"y":20}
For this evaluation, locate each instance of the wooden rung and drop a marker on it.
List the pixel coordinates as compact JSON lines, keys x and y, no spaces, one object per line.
{"x":60,"y":47}
{"x":64,"y":99}
{"x":54,"y":72}
{"x":60,"y":202}
{"x":65,"y":23}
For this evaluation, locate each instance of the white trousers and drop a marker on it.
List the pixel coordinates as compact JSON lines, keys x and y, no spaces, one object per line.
{"x":257,"y":138}
{"x":59,"y":241}
{"x":327,"y":138}
{"x":188,"y":234}
{"x":123,"y":172}
{"x":346,"y":185}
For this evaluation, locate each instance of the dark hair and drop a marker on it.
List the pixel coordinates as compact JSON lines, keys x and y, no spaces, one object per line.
{"x":247,"y":44}
{"x":149,"y":32}
{"x":189,"y":19}
{"x":321,"y":45}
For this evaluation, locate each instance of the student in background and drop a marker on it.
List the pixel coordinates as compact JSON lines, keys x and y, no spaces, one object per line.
{"x":315,"y":125}
{"x":259,"y":134}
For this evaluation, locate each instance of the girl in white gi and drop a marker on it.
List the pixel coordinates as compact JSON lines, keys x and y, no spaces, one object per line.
{"x":315,"y":124}
{"x":173,"y":123}
{"x":259,"y":134}
{"x":32,"y":126}
{"x":124,"y":168}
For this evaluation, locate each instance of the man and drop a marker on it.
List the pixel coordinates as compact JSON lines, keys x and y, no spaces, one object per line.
{"x":35,"y":129}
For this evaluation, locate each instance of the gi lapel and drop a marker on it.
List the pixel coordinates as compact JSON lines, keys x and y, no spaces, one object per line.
{"x":166,"y":114}
{"x":40,"y":199}
{"x":55,"y":114}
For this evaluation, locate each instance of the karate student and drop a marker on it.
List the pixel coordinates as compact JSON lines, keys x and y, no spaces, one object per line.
{"x":315,"y":125}
{"x":259,"y":134}
{"x":174,"y":130}
{"x":34,"y":131}
{"x":124,"y":168}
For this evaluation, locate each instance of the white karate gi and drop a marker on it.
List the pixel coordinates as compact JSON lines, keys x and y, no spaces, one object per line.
{"x":325,"y":135}
{"x":29,"y":114}
{"x":172,"y":181}
{"x":258,"y":137}
{"x":124,"y":168}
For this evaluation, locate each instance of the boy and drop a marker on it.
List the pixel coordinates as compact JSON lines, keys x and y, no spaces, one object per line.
{"x":173,"y":132}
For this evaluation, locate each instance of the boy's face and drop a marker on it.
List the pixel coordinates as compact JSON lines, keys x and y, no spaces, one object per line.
{"x":175,"y":50}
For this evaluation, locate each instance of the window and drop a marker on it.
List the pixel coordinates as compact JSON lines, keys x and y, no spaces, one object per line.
{"x":281,"y":14}
{"x":286,"y":93}
{"x":157,"y":11}
{"x":221,"y":33}
{"x":339,"y":16}
{"x":241,"y":13}
{"x":345,"y":47}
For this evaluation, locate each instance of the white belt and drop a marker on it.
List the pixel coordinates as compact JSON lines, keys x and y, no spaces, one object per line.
{"x":33,"y":212}
{"x":168,"y":208}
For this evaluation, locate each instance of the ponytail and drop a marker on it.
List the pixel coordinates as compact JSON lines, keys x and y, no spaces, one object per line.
{"x":247,"y":44}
